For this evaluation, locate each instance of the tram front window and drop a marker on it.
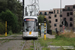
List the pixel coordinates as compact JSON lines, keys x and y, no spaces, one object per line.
{"x":30,"y":26}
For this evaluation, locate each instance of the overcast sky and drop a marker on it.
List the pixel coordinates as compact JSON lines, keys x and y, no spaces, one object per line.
{"x":50,"y":4}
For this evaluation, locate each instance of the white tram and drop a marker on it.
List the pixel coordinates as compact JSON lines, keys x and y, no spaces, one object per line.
{"x":30,"y":27}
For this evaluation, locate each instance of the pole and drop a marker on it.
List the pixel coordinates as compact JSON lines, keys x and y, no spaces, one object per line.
{"x":45,"y":28}
{"x":60,"y":14}
{"x":24,"y":8}
{"x":5,"y":28}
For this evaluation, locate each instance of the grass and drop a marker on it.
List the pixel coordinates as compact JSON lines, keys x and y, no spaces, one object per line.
{"x":63,"y":41}
{"x":32,"y":46}
{"x":10,"y":33}
{"x":30,"y":49}
{"x":2,"y":35}
{"x":60,"y":40}
{"x":45,"y":48}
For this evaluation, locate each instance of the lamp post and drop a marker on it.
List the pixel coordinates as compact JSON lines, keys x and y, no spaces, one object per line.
{"x":60,"y":14}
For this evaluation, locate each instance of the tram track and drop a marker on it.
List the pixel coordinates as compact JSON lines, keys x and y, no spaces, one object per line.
{"x":23,"y":45}
{"x":28,"y":43}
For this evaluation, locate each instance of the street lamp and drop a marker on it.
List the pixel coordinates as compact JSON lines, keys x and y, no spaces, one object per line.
{"x":60,"y":13}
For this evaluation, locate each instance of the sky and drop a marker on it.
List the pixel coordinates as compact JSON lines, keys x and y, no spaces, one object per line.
{"x":50,"y":4}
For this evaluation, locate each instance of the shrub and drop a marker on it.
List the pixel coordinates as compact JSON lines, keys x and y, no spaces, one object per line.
{"x":10,"y":32}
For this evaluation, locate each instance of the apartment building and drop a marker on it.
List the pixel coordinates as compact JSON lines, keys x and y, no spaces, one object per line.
{"x":53,"y":16}
{"x":68,"y":16}
{"x":57,"y":17}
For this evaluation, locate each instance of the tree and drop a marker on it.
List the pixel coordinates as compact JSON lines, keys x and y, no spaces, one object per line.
{"x":3,"y":5}
{"x":41,"y":19}
{"x":15,"y":7}
{"x":2,"y":27}
{"x":11,"y":19}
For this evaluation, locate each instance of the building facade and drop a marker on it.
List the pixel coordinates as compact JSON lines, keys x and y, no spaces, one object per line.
{"x":59,"y":17}
{"x":68,"y":17}
{"x":53,"y":16}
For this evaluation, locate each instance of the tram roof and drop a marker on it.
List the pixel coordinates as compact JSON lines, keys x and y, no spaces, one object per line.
{"x":30,"y":17}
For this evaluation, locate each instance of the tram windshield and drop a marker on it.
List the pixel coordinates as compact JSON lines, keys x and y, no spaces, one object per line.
{"x":30,"y":25}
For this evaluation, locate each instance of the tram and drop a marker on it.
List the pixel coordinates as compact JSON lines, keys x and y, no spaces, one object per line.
{"x":30,"y":27}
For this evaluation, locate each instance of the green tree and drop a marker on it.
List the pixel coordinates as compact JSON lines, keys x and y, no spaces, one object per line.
{"x":2,"y":27}
{"x":11,"y":19}
{"x":15,"y":7}
{"x":41,"y":19}
{"x":3,"y":5}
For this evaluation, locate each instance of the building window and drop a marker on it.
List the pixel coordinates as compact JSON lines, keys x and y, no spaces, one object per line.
{"x":49,"y":17}
{"x":55,"y":25}
{"x":60,"y":25}
{"x":45,"y":13}
{"x":68,"y":8}
{"x":71,"y":24}
{"x":50,"y":12}
{"x":66,"y":23}
{"x":55,"y":15}
{"x":64,"y":19}
{"x":74,"y":6}
{"x":40,"y":13}
{"x":67,"y":14}
{"x":71,"y":19}
{"x":54,"y":11}
{"x":56,"y":20}
{"x":57,"y":11}
{"x":60,"y":15}
{"x":71,"y":13}
{"x":49,"y":21}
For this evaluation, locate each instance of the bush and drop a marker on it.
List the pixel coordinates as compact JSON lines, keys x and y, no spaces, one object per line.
{"x":10,"y":32}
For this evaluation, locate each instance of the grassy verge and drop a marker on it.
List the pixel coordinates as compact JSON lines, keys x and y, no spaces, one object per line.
{"x":10,"y":33}
{"x":3,"y":35}
{"x":45,"y":48}
{"x":59,"y":41}
{"x":63,"y":41}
